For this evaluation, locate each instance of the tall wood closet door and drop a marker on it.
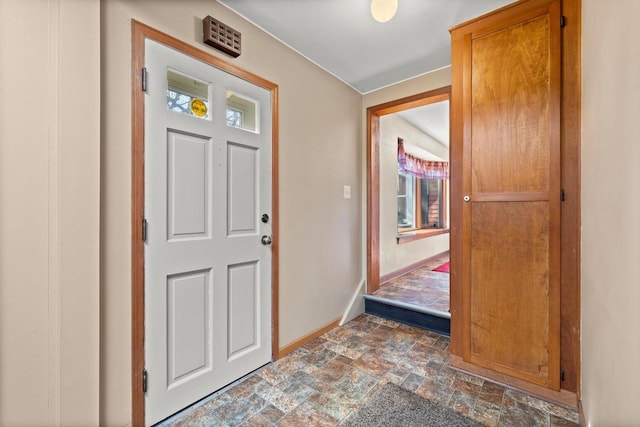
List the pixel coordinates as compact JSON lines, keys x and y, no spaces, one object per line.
{"x":506,"y":125}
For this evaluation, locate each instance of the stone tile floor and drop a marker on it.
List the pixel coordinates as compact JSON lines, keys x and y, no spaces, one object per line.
{"x":421,"y":287}
{"x":325,"y":381}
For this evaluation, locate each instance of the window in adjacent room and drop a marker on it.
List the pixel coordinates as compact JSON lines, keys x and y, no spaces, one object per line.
{"x":421,"y":203}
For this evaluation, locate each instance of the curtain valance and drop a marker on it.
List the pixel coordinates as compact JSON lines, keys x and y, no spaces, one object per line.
{"x":426,"y":169}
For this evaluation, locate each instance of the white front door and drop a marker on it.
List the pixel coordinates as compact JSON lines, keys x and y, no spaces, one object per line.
{"x":207,"y":198}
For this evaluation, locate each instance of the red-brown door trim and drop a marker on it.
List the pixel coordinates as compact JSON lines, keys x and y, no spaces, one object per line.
{"x":373,"y":171}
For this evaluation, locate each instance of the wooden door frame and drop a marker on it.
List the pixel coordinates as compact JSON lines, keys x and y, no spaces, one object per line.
{"x":373,"y":171}
{"x":570,"y":314}
{"x":141,"y":32}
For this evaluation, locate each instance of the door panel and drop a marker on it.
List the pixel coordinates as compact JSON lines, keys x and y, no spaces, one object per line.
{"x":189,"y":314}
{"x":510,"y":109}
{"x":510,"y":273}
{"x":207,"y":274}
{"x":242,"y":164}
{"x":507,"y":68}
{"x":244,"y":292}
{"x":189,"y":167}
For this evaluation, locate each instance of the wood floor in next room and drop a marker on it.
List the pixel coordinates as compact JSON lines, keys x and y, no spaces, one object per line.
{"x":324,"y":382}
{"x":421,"y":287}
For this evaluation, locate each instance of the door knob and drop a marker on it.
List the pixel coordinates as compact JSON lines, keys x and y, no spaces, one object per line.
{"x":466,"y":198}
{"x":266,"y":240}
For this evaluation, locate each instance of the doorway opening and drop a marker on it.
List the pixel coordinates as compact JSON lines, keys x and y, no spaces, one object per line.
{"x":407,"y":210}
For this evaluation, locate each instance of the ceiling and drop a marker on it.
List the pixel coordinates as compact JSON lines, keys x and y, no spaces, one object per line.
{"x":432,"y":119}
{"x":342,"y":37}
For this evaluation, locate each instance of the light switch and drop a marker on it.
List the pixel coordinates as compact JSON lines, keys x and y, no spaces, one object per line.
{"x":347,"y":191}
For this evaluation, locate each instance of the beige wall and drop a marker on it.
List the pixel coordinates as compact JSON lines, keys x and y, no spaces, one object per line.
{"x":320,"y":252}
{"x":611,"y":212}
{"x":394,"y":256}
{"x":426,"y":82}
{"x":49,"y":195}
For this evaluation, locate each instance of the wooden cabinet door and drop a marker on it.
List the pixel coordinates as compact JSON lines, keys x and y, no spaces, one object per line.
{"x":506,"y":118}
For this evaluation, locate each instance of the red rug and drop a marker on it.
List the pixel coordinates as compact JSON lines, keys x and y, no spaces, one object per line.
{"x":444,"y":268}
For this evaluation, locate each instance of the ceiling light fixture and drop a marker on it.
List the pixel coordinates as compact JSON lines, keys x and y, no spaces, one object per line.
{"x":383,"y":10}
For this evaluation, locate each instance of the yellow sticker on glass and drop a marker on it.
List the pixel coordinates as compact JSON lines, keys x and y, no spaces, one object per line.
{"x":198,"y":107}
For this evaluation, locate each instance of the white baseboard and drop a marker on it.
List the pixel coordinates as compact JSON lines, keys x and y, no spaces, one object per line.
{"x":356,"y":305}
